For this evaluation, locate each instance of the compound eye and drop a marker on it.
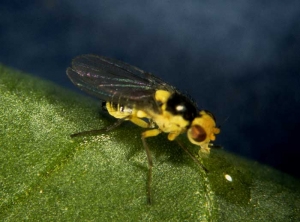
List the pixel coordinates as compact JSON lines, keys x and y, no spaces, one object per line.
{"x":197,"y":133}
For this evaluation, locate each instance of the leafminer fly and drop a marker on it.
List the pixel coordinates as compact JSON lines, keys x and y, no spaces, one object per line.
{"x":142,"y":98}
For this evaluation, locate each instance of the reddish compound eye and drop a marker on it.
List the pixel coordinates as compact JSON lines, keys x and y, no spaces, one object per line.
{"x":197,"y":133}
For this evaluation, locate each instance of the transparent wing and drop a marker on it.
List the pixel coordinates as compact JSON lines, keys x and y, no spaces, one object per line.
{"x":116,"y":81}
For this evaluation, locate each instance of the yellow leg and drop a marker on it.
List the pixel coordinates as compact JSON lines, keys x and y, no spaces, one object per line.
{"x":150,"y":133}
{"x":172,"y":136}
{"x":140,"y":122}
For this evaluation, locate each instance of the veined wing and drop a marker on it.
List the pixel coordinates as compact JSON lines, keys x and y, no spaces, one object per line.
{"x":115,"y":81}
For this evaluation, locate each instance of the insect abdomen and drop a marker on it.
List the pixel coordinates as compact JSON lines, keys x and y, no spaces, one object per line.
{"x":118,"y":111}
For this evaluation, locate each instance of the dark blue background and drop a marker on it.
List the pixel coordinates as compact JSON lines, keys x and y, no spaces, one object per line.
{"x":238,"y":59}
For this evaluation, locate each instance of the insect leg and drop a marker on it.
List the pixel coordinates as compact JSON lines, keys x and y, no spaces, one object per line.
{"x":172,"y":136}
{"x":191,"y":155}
{"x":99,"y":131}
{"x":139,"y":122}
{"x":149,"y":133}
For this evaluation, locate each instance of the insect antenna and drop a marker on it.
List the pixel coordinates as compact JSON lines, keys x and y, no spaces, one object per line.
{"x":99,"y":131}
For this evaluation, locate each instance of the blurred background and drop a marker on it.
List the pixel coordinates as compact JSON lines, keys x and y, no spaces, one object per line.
{"x":238,"y":59}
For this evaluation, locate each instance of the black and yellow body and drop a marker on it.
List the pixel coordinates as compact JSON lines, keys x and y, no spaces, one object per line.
{"x":176,"y":115}
{"x":145,"y":100}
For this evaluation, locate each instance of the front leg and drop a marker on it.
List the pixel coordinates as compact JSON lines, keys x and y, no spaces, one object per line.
{"x":172,"y":136}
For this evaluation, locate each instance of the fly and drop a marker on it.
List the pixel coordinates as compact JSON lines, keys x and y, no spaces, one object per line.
{"x":138,"y":96}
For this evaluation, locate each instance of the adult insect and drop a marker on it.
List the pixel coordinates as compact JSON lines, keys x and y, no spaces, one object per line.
{"x":147,"y":101}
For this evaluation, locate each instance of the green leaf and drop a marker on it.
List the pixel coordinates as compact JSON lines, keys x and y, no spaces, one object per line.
{"x":47,"y":176}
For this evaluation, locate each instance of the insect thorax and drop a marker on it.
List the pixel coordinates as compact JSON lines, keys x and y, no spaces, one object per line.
{"x":178,"y":104}
{"x":177,"y":112}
